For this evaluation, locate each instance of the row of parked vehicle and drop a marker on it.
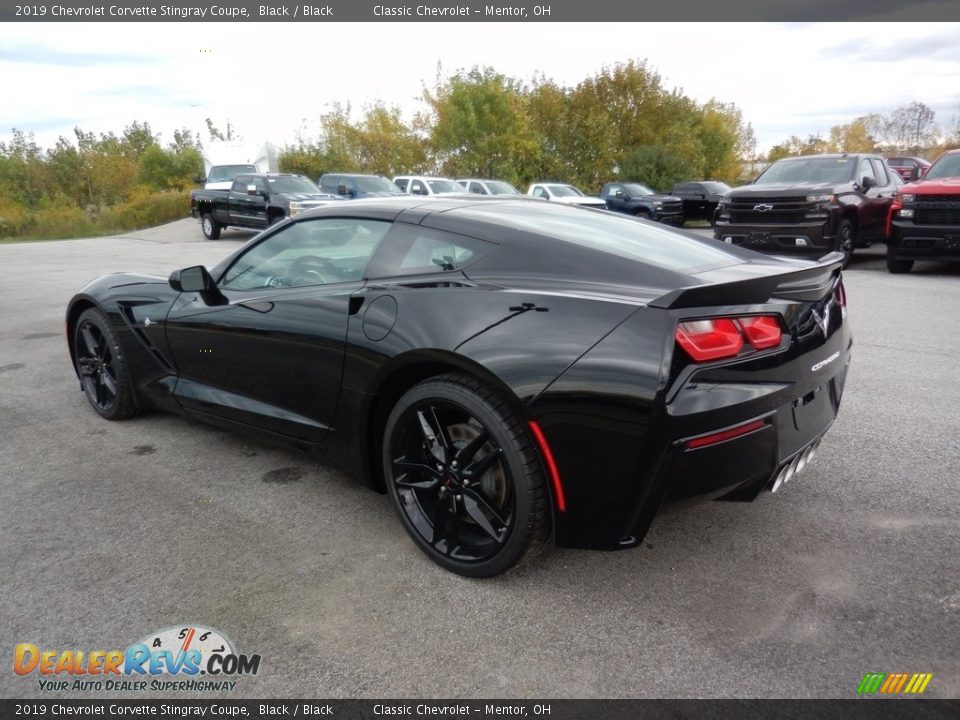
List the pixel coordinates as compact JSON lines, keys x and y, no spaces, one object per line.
{"x":808,"y":205}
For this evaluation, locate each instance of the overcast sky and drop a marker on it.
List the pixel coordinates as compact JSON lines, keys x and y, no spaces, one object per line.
{"x":274,"y":80}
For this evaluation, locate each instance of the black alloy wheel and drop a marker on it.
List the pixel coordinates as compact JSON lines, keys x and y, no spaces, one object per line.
{"x":465,"y":477}
{"x":846,"y":239}
{"x":101,"y":367}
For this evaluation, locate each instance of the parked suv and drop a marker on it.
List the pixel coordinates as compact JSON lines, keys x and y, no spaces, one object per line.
{"x":926,"y":217}
{"x":479,"y":186}
{"x":700,"y":199}
{"x":355,"y":185}
{"x":427,"y":185}
{"x":639,"y":200}
{"x":810,"y":205}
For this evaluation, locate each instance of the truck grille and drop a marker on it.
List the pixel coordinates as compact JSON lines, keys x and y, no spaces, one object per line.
{"x":766,"y":218}
{"x":776,"y":210}
{"x":932,"y":216}
{"x":671,"y":207}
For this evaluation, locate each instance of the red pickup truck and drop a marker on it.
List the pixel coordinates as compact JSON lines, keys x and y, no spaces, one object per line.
{"x":925,"y":217}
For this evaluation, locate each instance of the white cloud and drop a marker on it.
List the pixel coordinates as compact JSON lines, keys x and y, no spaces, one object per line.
{"x":269,"y":79}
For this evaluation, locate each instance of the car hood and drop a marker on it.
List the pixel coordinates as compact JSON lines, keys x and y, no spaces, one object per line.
{"x":306,"y":197}
{"x":663,"y":197}
{"x":940,"y":186}
{"x":578,"y":200}
{"x":786,"y":189}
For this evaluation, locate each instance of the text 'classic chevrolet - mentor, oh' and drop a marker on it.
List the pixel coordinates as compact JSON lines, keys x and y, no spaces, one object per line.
{"x":513,"y":373}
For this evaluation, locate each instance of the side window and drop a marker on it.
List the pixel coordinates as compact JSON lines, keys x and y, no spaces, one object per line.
{"x":477,"y":188}
{"x":539,"y":192}
{"x":401,"y":183}
{"x":309,"y":252}
{"x":866,"y":170}
{"x":240,"y":184}
{"x":261,"y":185}
{"x":329,"y":183}
{"x":882,"y":179}
{"x":418,"y":188}
{"x":613,"y":190}
{"x":416,"y":250}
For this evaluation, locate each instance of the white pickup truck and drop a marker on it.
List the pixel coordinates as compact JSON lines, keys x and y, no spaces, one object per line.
{"x":563,"y":193}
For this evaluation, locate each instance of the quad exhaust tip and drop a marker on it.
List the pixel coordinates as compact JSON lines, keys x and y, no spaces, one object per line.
{"x":798,"y":463}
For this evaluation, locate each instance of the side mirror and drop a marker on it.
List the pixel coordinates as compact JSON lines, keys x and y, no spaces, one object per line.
{"x":868,"y":182}
{"x":251,"y":189}
{"x":192,"y":279}
{"x":342,"y":190}
{"x":199,"y":179}
{"x":619,"y":194}
{"x":915,"y":172}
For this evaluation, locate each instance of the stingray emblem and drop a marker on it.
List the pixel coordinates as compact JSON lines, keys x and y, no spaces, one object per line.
{"x":823,"y":320}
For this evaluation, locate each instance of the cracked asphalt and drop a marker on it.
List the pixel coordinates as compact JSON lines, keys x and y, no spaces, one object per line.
{"x":112,"y":530}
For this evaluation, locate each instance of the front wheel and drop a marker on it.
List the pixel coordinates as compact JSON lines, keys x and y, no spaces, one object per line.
{"x":211,"y":228}
{"x":102,"y":367}
{"x":465,"y":477}
{"x":898,"y":267}
{"x":846,"y":239}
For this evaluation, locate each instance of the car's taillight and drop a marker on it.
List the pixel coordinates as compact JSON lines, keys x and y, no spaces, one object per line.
{"x":763,"y":331}
{"x":718,"y":338}
{"x":709,"y":339}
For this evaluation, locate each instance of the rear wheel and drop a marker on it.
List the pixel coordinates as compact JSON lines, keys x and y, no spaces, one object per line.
{"x":898,"y":267}
{"x":465,"y":477}
{"x":211,"y":228}
{"x":846,"y":239}
{"x":102,"y":367}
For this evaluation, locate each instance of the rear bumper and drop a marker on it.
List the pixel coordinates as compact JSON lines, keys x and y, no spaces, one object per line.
{"x":909,"y":241}
{"x":806,"y":239}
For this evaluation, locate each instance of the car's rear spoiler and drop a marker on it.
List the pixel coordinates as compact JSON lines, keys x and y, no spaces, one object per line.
{"x":809,"y":283}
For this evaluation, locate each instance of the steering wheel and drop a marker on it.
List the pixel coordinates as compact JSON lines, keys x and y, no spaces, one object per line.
{"x":312,"y":269}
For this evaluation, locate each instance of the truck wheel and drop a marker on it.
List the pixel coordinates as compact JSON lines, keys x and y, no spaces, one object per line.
{"x":846,"y":239}
{"x":642,"y":214}
{"x":898,"y":266}
{"x":211,"y":228}
{"x":274,"y":219}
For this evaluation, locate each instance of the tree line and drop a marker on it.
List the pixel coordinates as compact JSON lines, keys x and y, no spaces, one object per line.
{"x":94,"y":184}
{"x":621,"y":123}
{"x":909,"y":129}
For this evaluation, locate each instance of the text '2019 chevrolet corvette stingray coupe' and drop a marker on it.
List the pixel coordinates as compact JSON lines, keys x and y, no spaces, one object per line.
{"x":512,"y":373}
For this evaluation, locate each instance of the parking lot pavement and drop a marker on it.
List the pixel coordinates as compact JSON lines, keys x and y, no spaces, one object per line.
{"x":112,"y":530}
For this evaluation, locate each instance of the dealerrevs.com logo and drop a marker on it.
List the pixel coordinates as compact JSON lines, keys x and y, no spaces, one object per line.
{"x":186,"y":658}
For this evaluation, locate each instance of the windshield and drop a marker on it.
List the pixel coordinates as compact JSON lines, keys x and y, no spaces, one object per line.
{"x":501,"y":188}
{"x":224,"y":173}
{"x":498,"y":188}
{"x":292,"y":184}
{"x":718,"y":188}
{"x":810,"y":170}
{"x":376,"y":184}
{"x":947,"y":166}
{"x":444,"y":186}
{"x":564,"y":191}
{"x":636,"y":189}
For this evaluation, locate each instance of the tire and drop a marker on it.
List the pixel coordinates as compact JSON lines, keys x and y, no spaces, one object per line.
{"x":846,"y":240}
{"x":274,"y":219}
{"x":102,"y":367}
{"x":441,"y":433}
{"x":642,"y":214}
{"x":211,"y":228}
{"x":898,"y":267}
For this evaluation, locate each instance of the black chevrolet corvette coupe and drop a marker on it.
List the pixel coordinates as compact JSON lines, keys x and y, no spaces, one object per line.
{"x":513,"y":373}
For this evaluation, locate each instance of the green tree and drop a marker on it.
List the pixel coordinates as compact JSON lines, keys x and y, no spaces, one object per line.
{"x":655,"y":166}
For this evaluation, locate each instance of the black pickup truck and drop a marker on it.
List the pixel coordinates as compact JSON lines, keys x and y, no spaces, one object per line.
{"x":810,"y":205}
{"x":255,"y":201}
{"x":641,"y":201}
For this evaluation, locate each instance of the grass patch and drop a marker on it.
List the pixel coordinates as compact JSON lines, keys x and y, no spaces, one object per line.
{"x":59,"y":220}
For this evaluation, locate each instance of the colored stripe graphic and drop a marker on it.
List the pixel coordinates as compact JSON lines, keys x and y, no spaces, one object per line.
{"x":894,"y":683}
